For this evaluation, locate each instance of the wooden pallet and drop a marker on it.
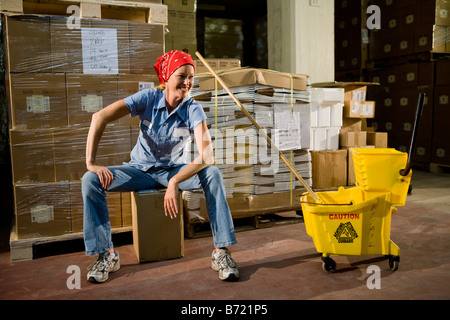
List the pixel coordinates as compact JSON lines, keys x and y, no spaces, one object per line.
{"x":439,"y":168}
{"x":140,"y":11}
{"x":22,"y":249}
{"x":200,"y":230}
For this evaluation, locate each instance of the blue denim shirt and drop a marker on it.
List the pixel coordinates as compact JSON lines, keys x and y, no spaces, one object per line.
{"x":162,"y":136}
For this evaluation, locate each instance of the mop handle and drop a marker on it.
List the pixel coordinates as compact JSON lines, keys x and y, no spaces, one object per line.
{"x":405,"y":172}
{"x":253,"y":121}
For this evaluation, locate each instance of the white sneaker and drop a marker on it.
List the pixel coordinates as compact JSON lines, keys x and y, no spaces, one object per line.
{"x":99,"y":270}
{"x":225,"y":265}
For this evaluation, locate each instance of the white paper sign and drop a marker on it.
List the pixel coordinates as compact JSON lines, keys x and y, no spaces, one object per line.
{"x":100,"y":54}
{"x":287,"y":128}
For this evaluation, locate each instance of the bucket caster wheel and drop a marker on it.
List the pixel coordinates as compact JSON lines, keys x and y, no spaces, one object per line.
{"x":328,"y":265}
{"x":393,"y":262}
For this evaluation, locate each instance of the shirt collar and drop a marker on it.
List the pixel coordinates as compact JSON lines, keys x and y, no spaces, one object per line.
{"x":181,"y":109}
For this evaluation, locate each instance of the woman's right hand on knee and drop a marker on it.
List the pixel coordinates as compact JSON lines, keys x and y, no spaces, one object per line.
{"x":105,"y":176}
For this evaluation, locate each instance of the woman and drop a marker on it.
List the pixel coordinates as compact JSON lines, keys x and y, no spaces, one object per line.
{"x":167,"y":118}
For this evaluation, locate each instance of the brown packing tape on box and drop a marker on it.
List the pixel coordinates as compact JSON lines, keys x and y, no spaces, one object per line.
{"x":248,"y":76}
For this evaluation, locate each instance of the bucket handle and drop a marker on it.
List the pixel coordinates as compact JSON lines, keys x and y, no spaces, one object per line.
{"x":404,"y":172}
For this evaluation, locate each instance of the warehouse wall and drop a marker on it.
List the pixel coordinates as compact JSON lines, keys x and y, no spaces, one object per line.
{"x":301,"y":38}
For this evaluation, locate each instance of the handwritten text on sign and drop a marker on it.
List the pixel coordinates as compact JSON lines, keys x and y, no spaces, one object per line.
{"x":100,"y":54}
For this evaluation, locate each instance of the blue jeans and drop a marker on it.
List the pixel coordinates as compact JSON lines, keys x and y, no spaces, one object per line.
{"x":96,"y":224}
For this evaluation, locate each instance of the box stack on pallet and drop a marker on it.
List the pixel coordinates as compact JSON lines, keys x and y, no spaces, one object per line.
{"x":257,"y":181}
{"x":57,"y":75}
{"x":181,"y":25}
{"x":408,"y":54}
{"x":351,"y":40}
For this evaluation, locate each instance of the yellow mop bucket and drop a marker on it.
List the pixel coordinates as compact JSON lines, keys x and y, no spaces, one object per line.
{"x":357,"y":221}
{"x":378,"y":170}
{"x":350,"y":222}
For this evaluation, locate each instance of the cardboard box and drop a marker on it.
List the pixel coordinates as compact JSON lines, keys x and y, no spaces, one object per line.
{"x":359,"y":109}
{"x":33,"y":33}
{"x":216,"y":64}
{"x":127,"y":85}
{"x":66,"y":48}
{"x":353,"y":139}
{"x":440,"y":151}
{"x":146,"y":46}
{"x":355,"y":104}
{"x":70,"y":150}
{"x":351,"y":124}
{"x":42,"y":210}
{"x":442,"y":99}
{"x":87,"y":94}
{"x":38,"y":100}
{"x":181,"y":5}
{"x":186,"y":45}
{"x":377,"y":139}
{"x":442,"y":72}
{"x":442,"y":12}
{"x":126,"y":209}
{"x":249,"y":76}
{"x":155,"y":236}
{"x":440,"y":38}
{"x":324,"y":138}
{"x":329,"y":168}
{"x":32,"y":156}
{"x":440,"y":125}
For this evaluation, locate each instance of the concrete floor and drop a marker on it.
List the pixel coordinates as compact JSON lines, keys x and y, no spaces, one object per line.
{"x":275,"y":263}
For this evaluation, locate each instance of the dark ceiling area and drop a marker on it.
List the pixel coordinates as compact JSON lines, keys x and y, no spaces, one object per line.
{"x":232,"y":9}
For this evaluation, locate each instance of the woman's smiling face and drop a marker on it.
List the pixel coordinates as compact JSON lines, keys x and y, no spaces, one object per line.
{"x":181,"y":82}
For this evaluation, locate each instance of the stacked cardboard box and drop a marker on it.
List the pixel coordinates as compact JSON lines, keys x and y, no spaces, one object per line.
{"x":404,"y":55}
{"x":326,"y":118}
{"x":440,"y":147}
{"x":410,"y":27}
{"x":351,"y":38}
{"x":56,"y":78}
{"x":217,"y":64}
{"x":251,"y":169}
{"x":352,"y":133}
{"x":414,"y":30}
{"x":397,"y":101}
{"x":181,"y":25}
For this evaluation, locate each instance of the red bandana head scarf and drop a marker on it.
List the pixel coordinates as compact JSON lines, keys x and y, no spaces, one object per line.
{"x":169,"y":62}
